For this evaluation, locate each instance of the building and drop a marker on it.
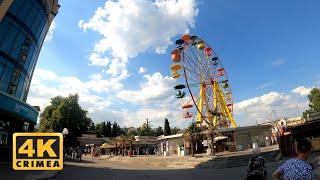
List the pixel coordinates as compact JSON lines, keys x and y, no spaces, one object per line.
{"x":23,"y":27}
{"x":90,"y":140}
{"x":246,"y":136}
{"x":172,"y":145}
{"x":309,"y":129}
{"x":289,"y":122}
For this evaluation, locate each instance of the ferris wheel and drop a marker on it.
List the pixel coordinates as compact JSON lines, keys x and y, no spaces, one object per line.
{"x":202,"y":82}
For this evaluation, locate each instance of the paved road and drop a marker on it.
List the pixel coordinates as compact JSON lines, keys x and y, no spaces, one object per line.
{"x":96,"y":173}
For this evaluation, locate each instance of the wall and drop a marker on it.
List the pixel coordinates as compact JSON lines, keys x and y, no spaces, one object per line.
{"x":245,"y":136}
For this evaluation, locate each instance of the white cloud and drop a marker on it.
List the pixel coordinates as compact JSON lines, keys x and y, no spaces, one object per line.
{"x":258,"y":109}
{"x":118,"y":69}
{"x":50,"y":32}
{"x":156,"y":101}
{"x":156,"y":88}
{"x":131,"y":27}
{"x":142,"y":70}
{"x":98,"y":97}
{"x":278,"y":62}
{"x":47,"y":84}
{"x":303,"y":91}
{"x":96,"y":59}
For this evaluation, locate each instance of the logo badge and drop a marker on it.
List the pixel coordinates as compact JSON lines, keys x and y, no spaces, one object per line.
{"x":37,"y":151}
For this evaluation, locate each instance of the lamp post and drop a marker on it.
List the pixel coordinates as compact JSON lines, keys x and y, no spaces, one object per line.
{"x":65,"y":132}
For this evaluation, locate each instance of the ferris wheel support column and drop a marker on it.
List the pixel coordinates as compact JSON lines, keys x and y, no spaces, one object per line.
{"x":225,"y":108}
{"x":214,"y":103}
{"x":200,"y":105}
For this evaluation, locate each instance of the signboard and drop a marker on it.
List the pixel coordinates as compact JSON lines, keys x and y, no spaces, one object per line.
{"x":37,"y":151}
{"x":20,"y":108}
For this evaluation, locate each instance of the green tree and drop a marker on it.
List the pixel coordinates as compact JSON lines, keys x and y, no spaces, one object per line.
{"x":65,"y":112}
{"x":109,"y":129}
{"x":314,"y":102}
{"x":99,"y":130}
{"x":175,"y":130}
{"x":104,"y":129}
{"x":115,"y":130}
{"x":145,"y":130}
{"x":92,"y":128}
{"x":167,"y":130}
{"x":130,"y":131}
{"x":158,"y":131}
{"x":191,"y":135}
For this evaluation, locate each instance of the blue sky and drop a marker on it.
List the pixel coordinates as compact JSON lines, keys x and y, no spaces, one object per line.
{"x":269,"y":49}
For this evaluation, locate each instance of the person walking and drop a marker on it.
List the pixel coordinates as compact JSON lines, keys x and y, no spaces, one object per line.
{"x":296,"y":168}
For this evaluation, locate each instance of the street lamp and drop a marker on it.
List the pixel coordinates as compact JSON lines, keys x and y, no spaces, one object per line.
{"x":65,"y":132}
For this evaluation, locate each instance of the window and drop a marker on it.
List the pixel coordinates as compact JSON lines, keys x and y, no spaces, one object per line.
{"x":4,"y":27}
{"x":15,"y":6}
{"x":9,"y":39}
{"x":20,"y":86}
{"x":24,"y":89}
{"x":6,"y":76}
{"x":23,"y":12}
{"x":37,"y":22}
{"x":1,"y":68}
{"x":41,"y":27}
{"x":17,"y":45}
{"x":33,"y":59}
{"x":14,"y":81}
{"x":24,"y":50}
{"x":29,"y":57}
{"x":32,"y":15}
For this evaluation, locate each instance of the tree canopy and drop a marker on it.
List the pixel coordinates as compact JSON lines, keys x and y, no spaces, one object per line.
{"x":314,"y":102}
{"x":107,"y":129}
{"x":145,"y":129}
{"x":167,"y":130}
{"x":65,"y":112}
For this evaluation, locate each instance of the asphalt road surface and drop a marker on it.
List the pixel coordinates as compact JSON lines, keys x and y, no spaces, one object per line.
{"x":96,"y":173}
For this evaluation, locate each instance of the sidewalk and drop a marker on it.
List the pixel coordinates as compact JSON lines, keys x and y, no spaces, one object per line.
{"x":7,"y":173}
{"x":248,"y":151}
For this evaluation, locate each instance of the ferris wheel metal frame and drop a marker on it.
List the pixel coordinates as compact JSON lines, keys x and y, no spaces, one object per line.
{"x":206,"y":81}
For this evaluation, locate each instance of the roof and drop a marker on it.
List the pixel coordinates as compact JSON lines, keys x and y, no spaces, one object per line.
{"x":89,"y":140}
{"x":253,"y":127}
{"x":170,"y":136}
{"x":107,"y":146}
{"x":146,"y":139}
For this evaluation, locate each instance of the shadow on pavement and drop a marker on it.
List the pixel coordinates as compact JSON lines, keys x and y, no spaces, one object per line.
{"x":85,"y":173}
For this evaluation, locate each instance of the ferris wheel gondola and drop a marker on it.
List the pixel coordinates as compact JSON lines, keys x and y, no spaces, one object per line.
{"x":200,"y":73}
